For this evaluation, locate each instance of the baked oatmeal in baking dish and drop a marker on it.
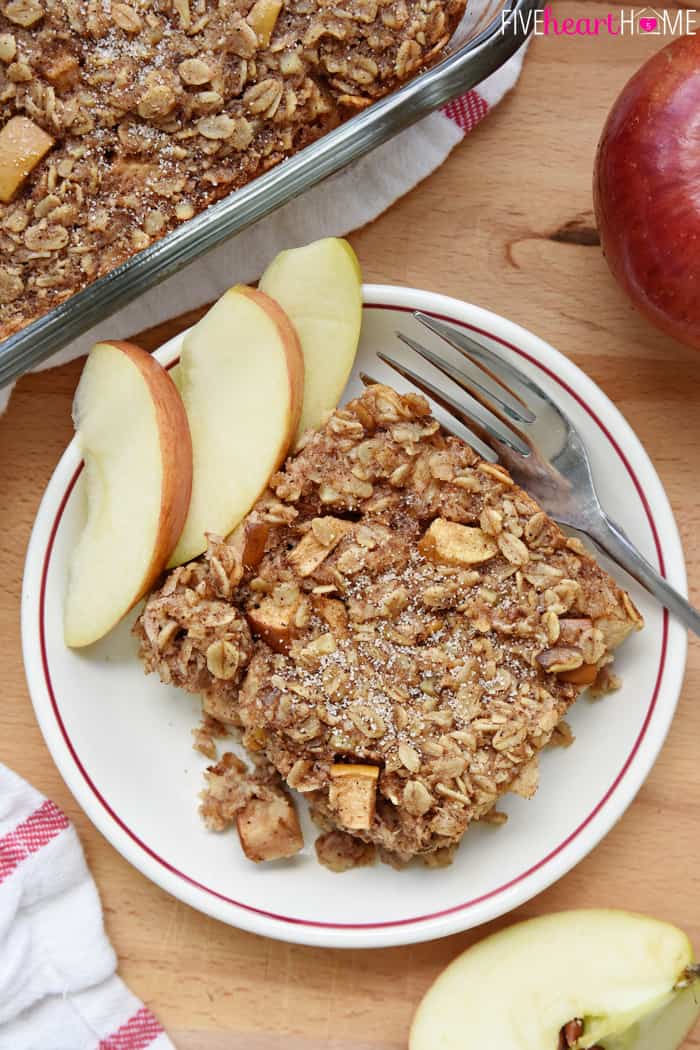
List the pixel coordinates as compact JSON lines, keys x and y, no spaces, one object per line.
{"x":119,"y":121}
{"x":395,"y":632}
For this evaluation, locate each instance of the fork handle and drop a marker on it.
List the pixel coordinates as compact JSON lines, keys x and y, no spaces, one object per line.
{"x":611,"y":538}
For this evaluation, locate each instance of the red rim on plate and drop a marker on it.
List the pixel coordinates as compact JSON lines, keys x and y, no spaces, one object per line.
{"x":431,"y":915}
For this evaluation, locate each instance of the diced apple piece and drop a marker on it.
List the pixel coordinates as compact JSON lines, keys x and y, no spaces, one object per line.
{"x":449,"y":543}
{"x":262,"y":18}
{"x":607,"y":979}
{"x":269,"y":829}
{"x":63,"y":71}
{"x":25,"y":13}
{"x":319,"y":286}
{"x":249,"y":539}
{"x":333,"y":612}
{"x":22,"y":145}
{"x":559,"y":659}
{"x":310,"y":655}
{"x":353,"y":794}
{"x":586,"y":674}
{"x":571,"y":629}
{"x":132,"y":430}
{"x":242,"y":380}
{"x":566,"y":661}
{"x":313,"y":548}
{"x":255,"y":739}
{"x":308,"y":555}
{"x":615,"y":630}
{"x":255,"y":535}
{"x":274,"y":623}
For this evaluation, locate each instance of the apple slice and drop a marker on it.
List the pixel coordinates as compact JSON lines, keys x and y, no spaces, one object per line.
{"x":606,"y":979}
{"x":242,"y":380}
{"x":319,"y":287}
{"x":133,"y":432}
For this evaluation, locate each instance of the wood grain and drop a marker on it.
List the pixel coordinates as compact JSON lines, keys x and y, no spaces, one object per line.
{"x":506,"y":223}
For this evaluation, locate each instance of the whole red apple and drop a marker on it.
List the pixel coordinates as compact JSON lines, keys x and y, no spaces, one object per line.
{"x":647,"y":189}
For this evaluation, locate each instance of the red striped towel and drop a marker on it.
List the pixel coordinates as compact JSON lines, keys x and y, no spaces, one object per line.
{"x":58,"y":985}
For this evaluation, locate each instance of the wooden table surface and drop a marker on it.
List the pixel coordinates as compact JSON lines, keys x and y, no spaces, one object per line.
{"x":505,"y":223}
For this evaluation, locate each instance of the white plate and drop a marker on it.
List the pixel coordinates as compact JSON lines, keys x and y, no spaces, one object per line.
{"x":122,"y":741}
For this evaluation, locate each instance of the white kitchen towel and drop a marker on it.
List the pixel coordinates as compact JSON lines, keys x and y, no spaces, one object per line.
{"x":342,"y":203}
{"x":58,"y":986}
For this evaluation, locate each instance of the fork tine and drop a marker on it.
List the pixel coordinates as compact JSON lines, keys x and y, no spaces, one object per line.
{"x":468,"y":382}
{"x":438,"y":408}
{"x":490,"y":363}
{"x":493,"y":425}
{"x":438,"y":397}
{"x":468,"y":407}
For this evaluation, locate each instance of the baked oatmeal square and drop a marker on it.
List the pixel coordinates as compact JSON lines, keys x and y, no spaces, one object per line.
{"x":395,"y":632}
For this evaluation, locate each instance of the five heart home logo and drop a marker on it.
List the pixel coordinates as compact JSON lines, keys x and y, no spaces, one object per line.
{"x":626,"y":21}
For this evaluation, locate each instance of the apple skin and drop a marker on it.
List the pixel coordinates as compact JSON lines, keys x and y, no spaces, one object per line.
{"x":238,"y":433}
{"x":292,"y":349}
{"x":85,"y":619}
{"x":647,"y":189}
{"x":176,"y":451}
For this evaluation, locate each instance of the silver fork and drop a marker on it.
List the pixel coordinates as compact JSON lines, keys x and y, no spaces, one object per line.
{"x":509,"y":418}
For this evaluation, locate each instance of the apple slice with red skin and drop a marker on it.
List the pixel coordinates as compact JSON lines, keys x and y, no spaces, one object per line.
{"x":133,"y":432}
{"x":241,"y":378}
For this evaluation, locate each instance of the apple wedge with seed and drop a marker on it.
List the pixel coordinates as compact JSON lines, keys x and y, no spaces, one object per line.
{"x":241,"y":378}
{"x":133,"y":433}
{"x":578,"y":980}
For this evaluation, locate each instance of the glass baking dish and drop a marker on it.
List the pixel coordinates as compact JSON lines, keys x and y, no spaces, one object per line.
{"x":480,"y":46}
